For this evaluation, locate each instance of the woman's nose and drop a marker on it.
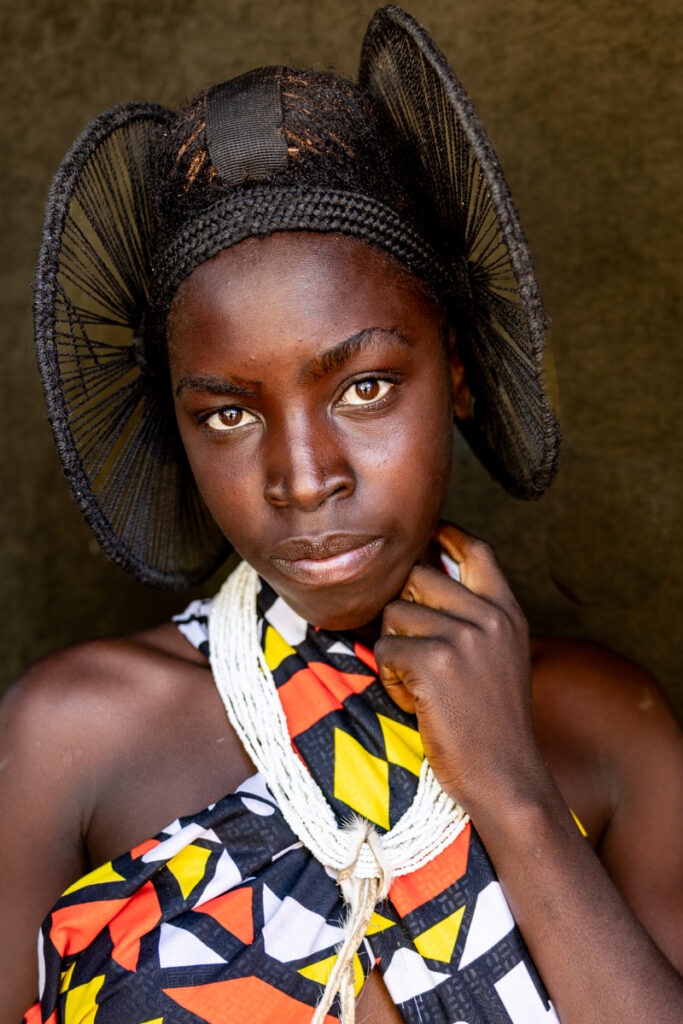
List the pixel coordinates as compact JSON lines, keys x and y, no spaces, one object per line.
{"x":306,"y":467}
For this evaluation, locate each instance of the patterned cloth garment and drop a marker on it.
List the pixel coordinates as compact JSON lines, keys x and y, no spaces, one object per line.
{"x":226,"y":918}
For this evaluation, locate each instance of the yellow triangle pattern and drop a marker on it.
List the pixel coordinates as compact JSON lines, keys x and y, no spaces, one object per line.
{"x":378,"y":924}
{"x":275,"y":649}
{"x":361,"y":780}
{"x":80,"y":1006}
{"x":157,"y":1020}
{"x":438,"y":942}
{"x":403,"y":744}
{"x":321,"y":971}
{"x":189,"y":866}
{"x":65,"y":978}
{"x":105,"y":873}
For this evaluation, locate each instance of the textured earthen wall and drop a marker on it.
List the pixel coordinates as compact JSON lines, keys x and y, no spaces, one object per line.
{"x":585,"y":108}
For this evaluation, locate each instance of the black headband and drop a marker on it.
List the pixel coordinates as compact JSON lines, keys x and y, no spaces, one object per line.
{"x":262,"y":210}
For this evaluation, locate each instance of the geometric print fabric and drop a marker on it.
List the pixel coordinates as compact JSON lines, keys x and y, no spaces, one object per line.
{"x":226,"y":917}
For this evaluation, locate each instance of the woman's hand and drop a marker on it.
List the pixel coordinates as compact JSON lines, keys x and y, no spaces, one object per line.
{"x":458,"y":655}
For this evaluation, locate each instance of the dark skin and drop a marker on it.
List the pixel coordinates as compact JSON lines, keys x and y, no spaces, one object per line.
{"x":317,"y":421}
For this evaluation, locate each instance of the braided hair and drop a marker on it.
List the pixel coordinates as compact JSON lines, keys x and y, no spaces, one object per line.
{"x":337,"y":150}
{"x":334,"y":139}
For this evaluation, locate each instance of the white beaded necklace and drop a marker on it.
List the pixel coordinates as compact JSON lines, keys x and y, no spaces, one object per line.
{"x":364,"y":861}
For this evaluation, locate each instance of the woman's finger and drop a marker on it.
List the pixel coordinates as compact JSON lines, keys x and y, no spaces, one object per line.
{"x":397,"y":660}
{"x":479,"y":569}
{"x":432,"y":588}
{"x":411,"y":618}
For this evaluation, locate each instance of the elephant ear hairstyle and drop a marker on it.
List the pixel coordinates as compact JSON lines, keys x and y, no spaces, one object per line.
{"x":501,"y":334}
{"x":111,"y":417}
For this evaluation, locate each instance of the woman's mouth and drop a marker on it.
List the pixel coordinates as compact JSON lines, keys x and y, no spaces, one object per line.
{"x":325,"y":560}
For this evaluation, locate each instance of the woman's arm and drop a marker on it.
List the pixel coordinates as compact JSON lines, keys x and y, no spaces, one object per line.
{"x":458,"y":653}
{"x":43,"y":794}
{"x":616,"y":753}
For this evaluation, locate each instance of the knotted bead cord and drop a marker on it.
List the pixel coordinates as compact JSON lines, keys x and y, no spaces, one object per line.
{"x":365,"y":862}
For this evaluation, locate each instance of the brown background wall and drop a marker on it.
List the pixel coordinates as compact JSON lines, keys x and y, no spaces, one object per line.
{"x":583,"y":101}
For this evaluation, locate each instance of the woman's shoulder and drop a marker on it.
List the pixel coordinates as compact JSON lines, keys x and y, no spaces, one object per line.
{"x":80,"y":728}
{"x":105,"y":742}
{"x":587,"y":687}
{"x":607,"y":732}
{"x":75,"y":708}
{"x":86,"y":707}
{"x":616,"y":752}
{"x":149,"y":663}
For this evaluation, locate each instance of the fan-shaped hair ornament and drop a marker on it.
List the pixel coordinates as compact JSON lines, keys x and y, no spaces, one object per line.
{"x":110,"y":411}
{"x":501,"y":337}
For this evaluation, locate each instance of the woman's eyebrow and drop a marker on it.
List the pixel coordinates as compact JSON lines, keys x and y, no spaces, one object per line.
{"x":337,"y":356}
{"x":212,"y":384}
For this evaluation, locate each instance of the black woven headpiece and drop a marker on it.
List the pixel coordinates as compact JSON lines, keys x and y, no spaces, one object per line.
{"x":145,"y":195}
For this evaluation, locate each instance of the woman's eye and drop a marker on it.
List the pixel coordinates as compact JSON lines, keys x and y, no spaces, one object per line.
{"x":364,"y":392}
{"x":229,"y":418}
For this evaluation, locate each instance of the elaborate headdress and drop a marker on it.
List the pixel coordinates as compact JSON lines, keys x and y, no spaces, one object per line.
{"x":145,"y":195}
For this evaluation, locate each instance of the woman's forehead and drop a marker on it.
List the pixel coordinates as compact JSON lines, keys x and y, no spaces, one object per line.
{"x":299,"y":282}
{"x":295,"y":252}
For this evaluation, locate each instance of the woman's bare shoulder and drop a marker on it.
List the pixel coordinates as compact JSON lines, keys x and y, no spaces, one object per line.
{"x":618,"y":751}
{"x":83,"y":677}
{"x":615,"y":749}
{"x":589,"y":688}
{"x":604,"y":718}
{"x":76,"y":715}
{"x":66,"y":727}
{"x":65,"y":716}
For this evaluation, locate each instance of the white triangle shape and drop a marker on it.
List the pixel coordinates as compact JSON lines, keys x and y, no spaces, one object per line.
{"x":340,"y":648}
{"x":195,"y":632}
{"x":271,"y":904}
{"x":255,"y":785}
{"x":520,"y":998}
{"x":408,"y":976}
{"x":292,"y":931}
{"x":225,"y":877}
{"x":180,"y":948}
{"x":290,"y":626}
{"x":178,"y":839}
{"x":491,"y":922}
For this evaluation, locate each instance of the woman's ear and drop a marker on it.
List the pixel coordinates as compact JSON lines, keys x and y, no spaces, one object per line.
{"x":461,"y":394}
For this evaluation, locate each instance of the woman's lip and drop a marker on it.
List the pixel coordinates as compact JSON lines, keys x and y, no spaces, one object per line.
{"x":322,"y":546}
{"x":335,"y":568}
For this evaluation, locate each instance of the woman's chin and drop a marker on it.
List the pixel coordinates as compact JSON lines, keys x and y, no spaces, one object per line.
{"x":339,"y":608}
{"x":364,"y":619}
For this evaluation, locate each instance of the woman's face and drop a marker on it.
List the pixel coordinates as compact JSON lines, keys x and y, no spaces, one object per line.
{"x":313,"y":395}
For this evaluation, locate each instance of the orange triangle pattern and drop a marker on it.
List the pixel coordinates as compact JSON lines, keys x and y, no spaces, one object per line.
{"x":74,"y":928}
{"x":410,"y":891}
{"x":365,"y":655}
{"x":241,"y":1001}
{"x":143,"y":848}
{"x":34,"y":1016}
{"x":233,"y":911}
{"x":304,"y":701}
{"x":140,"y":915}
{"x":341,"y":684}
{"x":303,"y":704}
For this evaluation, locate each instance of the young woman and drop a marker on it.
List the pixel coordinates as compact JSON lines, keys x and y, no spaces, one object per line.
{"x":257,"y":320}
